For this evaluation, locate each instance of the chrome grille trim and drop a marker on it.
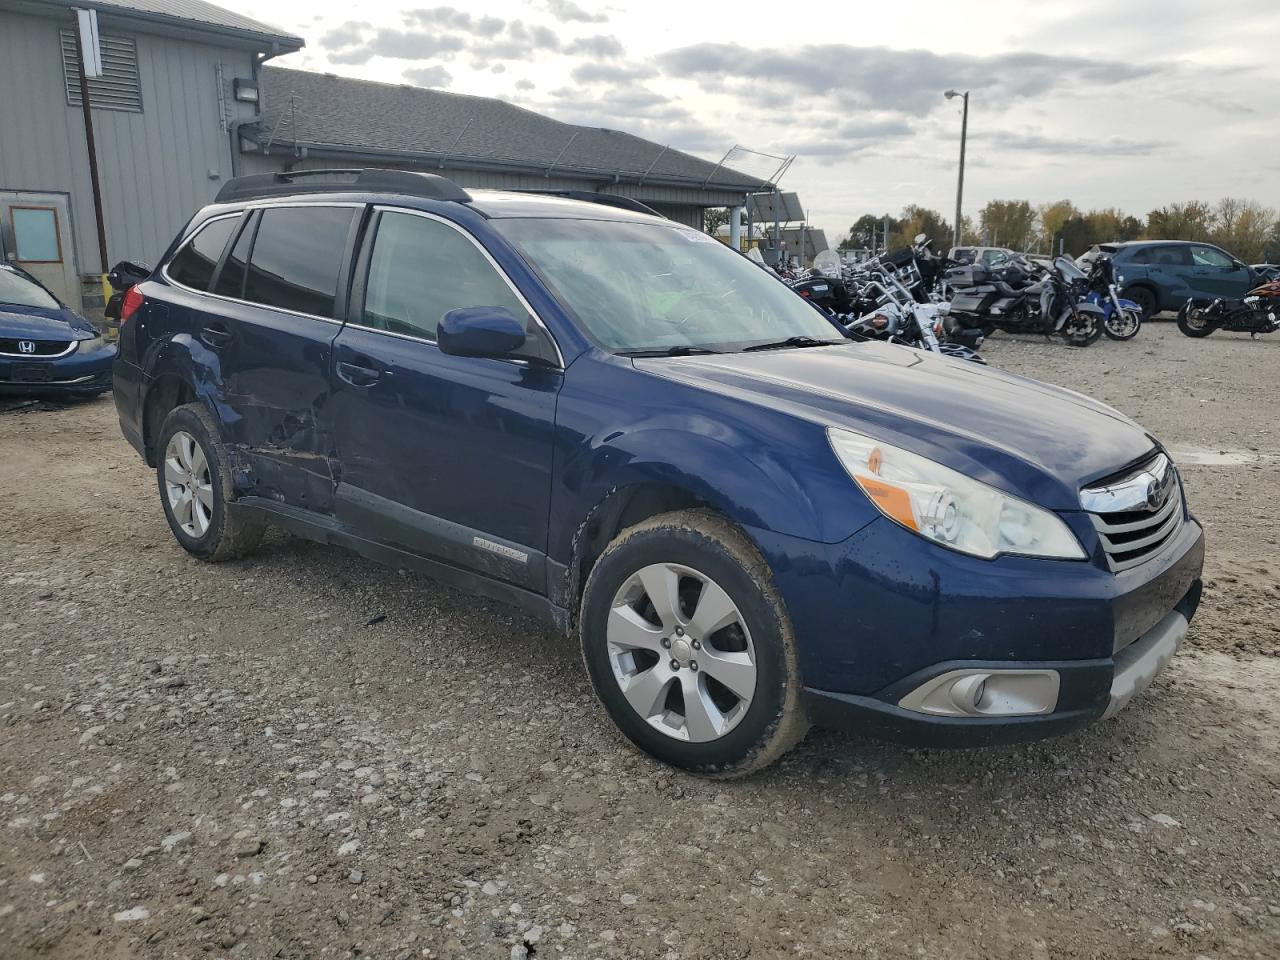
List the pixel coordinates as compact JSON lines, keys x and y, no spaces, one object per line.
{"x":1131,"y":528}
{"x":54,"y":348}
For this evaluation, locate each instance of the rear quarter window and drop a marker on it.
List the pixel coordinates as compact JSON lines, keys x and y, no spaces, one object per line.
{"x":296,"y":257}
{"x":193,"y":265}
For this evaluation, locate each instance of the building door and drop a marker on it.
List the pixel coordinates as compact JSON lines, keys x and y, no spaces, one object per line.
{"x":35,"y":233}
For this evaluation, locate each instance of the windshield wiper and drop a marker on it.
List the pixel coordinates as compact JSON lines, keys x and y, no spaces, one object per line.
{"x":683,"y":350}
{"x":791,"y":342}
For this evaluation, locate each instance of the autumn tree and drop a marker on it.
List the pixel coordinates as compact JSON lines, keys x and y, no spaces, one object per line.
{"x":1009,"y":223}
{"x":916,"y":220}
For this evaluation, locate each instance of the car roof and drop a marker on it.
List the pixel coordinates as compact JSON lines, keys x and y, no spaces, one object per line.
{"x":408,"y":187}
{"x":1162,"y":243}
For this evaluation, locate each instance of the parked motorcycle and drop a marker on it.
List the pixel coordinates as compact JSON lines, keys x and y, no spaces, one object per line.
{"x":1009,"y":300}
{"x":1121,"y":319}
{"x":898,"y":317}
{"x":1258,"y":312}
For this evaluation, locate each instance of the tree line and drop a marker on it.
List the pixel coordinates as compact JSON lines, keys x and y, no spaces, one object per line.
{"x":1244,"y":228}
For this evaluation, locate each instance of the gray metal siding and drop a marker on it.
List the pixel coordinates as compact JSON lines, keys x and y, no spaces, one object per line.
{"x":154,"y":166}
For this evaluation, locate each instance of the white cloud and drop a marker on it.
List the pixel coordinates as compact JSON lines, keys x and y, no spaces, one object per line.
{"x":1127,"y":106}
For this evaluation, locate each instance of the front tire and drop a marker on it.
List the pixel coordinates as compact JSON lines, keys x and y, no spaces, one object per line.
{"x":1123,"y":325}
{"x":194,"y":477}
{"x":1082,"y":329}
{"x":689,"y":646}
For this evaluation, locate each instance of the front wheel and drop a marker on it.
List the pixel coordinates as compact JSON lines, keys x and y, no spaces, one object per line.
{"x":690,"y":648}
{"x":1123,"y":324}
{"x":1082,"y":328}
{"x":1194,"y":321}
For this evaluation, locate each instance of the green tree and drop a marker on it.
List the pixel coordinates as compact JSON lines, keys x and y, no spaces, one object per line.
{"x":916,"y":220}
{"x":1193,"y":220}
{"x":1053,"y":217}
{"x":1009,"y":223}
{"x":866,"y":233}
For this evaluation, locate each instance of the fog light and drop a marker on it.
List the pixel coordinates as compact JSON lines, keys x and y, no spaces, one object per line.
{"x":986,"y":693}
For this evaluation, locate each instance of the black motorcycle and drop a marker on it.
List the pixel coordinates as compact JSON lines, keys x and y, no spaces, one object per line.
{"x":1011,"y":299}
{"x":1258,"y":312}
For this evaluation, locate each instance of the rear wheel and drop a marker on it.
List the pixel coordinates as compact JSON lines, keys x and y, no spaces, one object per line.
{"x":1193,"y":319}
{"x":194,"y":477}
{"x":689,"y":647}
{"x":1145,"y":298}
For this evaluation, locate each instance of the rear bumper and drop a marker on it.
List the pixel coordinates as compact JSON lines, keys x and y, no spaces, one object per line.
{"x":1090,"y":690}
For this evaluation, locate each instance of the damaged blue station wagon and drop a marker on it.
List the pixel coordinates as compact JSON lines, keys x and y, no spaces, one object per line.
{"x":624,"y":427}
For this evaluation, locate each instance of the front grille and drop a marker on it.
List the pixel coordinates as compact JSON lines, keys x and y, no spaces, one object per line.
{"x":1138,"y":514}
{"x":15,"y":347}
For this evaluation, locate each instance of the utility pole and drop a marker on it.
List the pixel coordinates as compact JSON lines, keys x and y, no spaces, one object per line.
{"x":964,"y":134}
{"x":93,"y":150}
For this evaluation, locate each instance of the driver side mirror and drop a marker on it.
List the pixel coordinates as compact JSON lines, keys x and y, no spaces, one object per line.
{"x":480,"y":332}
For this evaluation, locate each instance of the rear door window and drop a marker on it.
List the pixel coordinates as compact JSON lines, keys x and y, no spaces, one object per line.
{"x":296,"y":258}
{"x":231,"y":279}
{"x":194,"y":264}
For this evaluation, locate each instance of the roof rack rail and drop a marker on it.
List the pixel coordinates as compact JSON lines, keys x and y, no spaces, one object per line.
{"x":408,"y":182}
{"x":606,"y":199}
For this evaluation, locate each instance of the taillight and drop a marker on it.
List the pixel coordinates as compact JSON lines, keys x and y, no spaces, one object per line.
{"x":131,"y":304}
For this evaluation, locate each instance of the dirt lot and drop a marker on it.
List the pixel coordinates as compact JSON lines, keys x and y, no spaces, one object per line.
{"x":306,"y":755}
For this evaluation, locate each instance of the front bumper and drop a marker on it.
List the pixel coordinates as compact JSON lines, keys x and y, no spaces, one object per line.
{"x":885,"y":612}
{"x":77,"y":373}
{"x":1090,"y":690}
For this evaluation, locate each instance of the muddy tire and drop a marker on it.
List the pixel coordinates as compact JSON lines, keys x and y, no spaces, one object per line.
{"x":689,"y":646}
{"x":194,"y":478}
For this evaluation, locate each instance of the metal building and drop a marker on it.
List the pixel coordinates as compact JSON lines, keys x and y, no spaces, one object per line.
{"x":164,"y":113}
{"x":185,"y":102}
{"x":315,"y":120}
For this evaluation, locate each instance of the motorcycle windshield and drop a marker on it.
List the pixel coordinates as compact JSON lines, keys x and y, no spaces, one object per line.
{"x":1068,"y":269}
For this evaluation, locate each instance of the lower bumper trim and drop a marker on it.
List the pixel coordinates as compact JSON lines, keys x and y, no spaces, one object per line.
{"x":1139,"y":663}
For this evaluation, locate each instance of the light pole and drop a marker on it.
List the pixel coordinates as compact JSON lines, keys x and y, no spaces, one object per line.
{"x":964,"y":133}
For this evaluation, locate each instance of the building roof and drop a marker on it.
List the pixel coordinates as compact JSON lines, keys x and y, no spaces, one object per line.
{"x":190,"y":14}
{"x":414,"y":122}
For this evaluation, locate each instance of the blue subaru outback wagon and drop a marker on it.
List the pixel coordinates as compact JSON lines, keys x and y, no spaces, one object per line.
{"x":622,"y":426}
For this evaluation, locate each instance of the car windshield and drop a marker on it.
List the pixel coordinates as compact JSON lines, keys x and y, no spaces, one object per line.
{"x":652,"y":287}
{"x":18,"y":290}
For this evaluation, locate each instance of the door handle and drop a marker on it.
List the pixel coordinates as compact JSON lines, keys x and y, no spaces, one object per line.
{"x":359,"y":374}
{"x":215,"y":335}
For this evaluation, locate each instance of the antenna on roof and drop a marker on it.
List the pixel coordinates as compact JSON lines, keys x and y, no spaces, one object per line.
{"x":457,"y":140}
{"x":561,"y":154}
{"x":649,"y":169}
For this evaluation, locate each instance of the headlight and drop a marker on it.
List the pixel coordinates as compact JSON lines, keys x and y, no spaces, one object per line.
{"x":949,"y":508}
{"x":92,"y":346}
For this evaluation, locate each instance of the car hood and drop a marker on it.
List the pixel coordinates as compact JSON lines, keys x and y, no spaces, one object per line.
{"x":1031,"y":439}
{"x":38,"y":323}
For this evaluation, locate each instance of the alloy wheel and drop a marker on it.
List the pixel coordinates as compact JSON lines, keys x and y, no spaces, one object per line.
{"x":188,"y":484}
{"x":681,"y":652}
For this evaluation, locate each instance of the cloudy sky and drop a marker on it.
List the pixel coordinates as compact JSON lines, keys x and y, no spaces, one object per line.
{"x":1109,"y":104}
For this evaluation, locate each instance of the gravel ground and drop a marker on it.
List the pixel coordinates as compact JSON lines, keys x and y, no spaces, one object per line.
{"x":305,"y":755}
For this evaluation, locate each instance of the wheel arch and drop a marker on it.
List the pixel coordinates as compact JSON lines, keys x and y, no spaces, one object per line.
{"x":622,"y":507}
{"x":175,"y":375}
